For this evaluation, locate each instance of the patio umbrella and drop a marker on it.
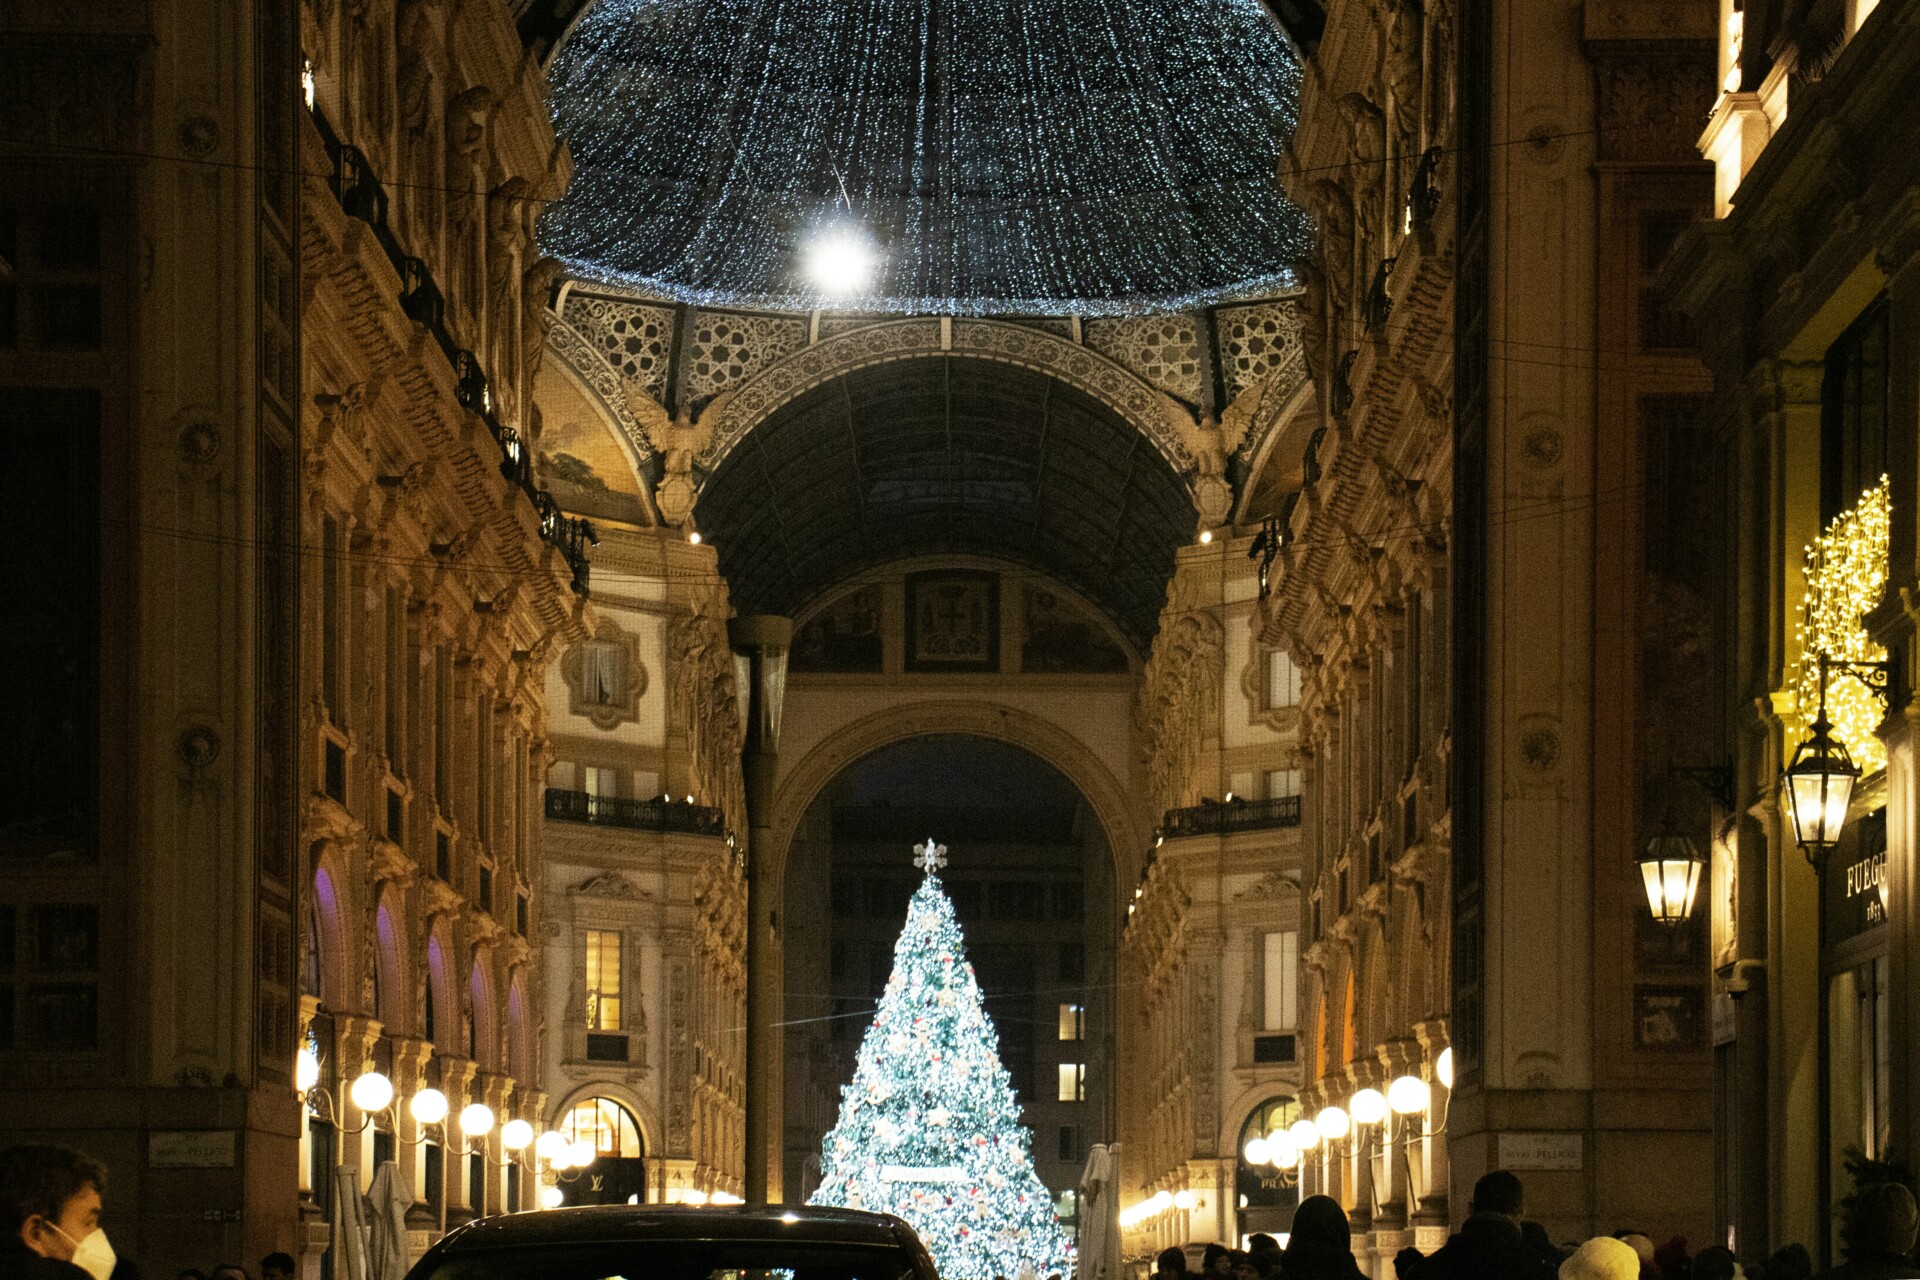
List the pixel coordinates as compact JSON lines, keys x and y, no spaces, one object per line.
{"x":1099,"y":1257}
{"x":349,"y":1241}
{"x":387,"y":1203}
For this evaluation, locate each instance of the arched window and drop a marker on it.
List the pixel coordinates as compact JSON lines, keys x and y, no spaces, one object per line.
{"x":519,"y":1047}
{"x":483,"y":1044}
{"x":389,"y":976}
{"x":1266,"y":1192}
{"x":442,"y":1011}
{"x":609,"y":1126}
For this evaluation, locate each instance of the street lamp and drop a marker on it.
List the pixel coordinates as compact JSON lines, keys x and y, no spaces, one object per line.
{"x":1671,"y":873}
{"x":1820,"y":786}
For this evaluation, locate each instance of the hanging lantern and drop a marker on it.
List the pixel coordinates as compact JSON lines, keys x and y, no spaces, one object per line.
{"x":1671,"y":872}
{"x":1820,"y":789}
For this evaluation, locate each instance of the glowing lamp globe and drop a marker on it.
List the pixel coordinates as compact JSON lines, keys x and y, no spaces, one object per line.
{"x":1285,"y":1155}
{"x":516,"y":1135}
{"x":1257,"y":1150}
{"x":1162,"y":1201}
{"x":1305,"y":1135}
{"x":1369,"y":1106}
{"x":371,"y":1092}
{"x":429,"y":1106}
{"x":581,"y":1154}
{"x":1671,"y":873}
{"x":476,"y":1121}
{"x":306,"y":1071}
{"x":551,"y":1197}
{"x":1333,"y":1123}
{"x":1183,"y":1200}
{"x":1820,"y":789}
{"x":1443,"y":1068}
{"x":550,"y":1146}
{"x":1408,"y":1095}
{"x":841,"y":262}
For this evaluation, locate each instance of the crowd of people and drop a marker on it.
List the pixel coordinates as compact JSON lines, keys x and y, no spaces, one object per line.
{"x":1498,"y":1242}
{"x":51,"y":1201}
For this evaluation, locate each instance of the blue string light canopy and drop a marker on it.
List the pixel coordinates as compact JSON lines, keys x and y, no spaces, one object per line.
{"x":965,"y":157}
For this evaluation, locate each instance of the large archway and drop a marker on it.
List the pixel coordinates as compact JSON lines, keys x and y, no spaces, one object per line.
{"x":1027,"y":855}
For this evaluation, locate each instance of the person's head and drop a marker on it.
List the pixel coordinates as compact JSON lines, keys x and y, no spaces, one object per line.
{"x":1716,"y":1262}
{"x":1261,"y":1242}
{"x":1640,"y":1242}
{"x":1217,"y":1259}
{"x":1407,"y":1262}
{"x":1790,"y":1262}
{"x":229,"y":1271}
{"x":1499,"y":1192}
{"x":1320,"y":1230}
{"x":51,"y":1198}
{"x":276,"y":1266}
{"x":191,"y":1273}
{"x":1885,"y":1220}
{"x":1602,"y":1258}
{"x":1171,"y":1262}
{"x":1241,"y":1267}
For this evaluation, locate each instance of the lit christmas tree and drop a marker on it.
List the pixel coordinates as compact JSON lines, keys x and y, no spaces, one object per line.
{"x":928,"y":1127}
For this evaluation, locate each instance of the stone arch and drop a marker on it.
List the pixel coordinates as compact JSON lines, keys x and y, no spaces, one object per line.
{"x":519,"y":1062}
{"x":392,"y":979}
{"x":328,"y":951}
{"x":1156,"y":415}
{"x":643,"y":1117}
{"x":1104,"y":794}
{"x":1276,"y":439}
{"x":1373,"y":1016}
{"x":484,"y":1011}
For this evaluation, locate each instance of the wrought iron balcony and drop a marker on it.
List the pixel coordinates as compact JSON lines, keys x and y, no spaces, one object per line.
{"x":361,"y":195}
{"x":1214,"y":818}
{"x":658,"y":814}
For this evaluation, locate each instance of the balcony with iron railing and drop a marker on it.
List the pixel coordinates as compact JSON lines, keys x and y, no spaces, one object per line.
{"x":362,"y":196}
{"x":658,"y":814}
{"x":1217,"y":818}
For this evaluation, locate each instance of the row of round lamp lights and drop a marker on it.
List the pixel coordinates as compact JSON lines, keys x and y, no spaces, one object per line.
{"x":1155,"y":1205}
{"x":372,"y":1093}
{"x":1405,"y":1096}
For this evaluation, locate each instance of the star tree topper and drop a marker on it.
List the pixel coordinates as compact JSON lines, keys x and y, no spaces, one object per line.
{"x":930,"y":857}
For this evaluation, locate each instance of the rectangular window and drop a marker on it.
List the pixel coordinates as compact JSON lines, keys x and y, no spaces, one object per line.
{"x":486,"y":888}
{"x":1854,"y":411}
{"x":1073,"y":1082}
{"x":1281,"y":968}
{"x":396,"y":681}
{"x":1283,"y":680}
{"x":1069,"y":1142}
{"x":1073,"y":962}
{"x":432,"y":1179}
{"x":396,"y":817}
{"x":443,"y":727}
{"x":520,"y":916}
{"x":603,"y":980}
{"x":600,"y":784}
{"x":1073,"y":1022}
{"x":442,"y":856}
{"x":1069,"y":900}
{"x":477,"y":1182}
{"x":1282,"y":783}
{"x":601,"y":682}
{"x":330,"y":605}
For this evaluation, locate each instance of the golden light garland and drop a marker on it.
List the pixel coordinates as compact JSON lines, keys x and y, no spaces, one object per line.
{"x":1846,"y":570}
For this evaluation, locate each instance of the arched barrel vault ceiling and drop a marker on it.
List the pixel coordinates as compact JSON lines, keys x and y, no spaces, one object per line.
{"x":946,"y":456}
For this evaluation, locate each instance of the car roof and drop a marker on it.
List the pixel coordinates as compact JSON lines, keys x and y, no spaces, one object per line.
{"x":608,"y":1223}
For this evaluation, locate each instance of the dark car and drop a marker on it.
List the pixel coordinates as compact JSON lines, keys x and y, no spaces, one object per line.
{"x":673,"y":1242}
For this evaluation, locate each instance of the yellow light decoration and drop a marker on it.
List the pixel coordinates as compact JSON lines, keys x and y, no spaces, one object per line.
{"x":1846,"y":570}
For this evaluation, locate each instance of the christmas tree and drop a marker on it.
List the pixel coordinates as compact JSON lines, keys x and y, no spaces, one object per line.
{"x":928,"y":1127}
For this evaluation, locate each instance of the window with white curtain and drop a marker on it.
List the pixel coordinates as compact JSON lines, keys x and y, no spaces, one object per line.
{"x":1283,"y":680}
{"x":601,"y":683}
{"x":1281,"y":954}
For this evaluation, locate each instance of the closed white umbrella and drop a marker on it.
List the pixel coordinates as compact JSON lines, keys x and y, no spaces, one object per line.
{"x":387,"y":1203}
{"x":1099,"y":1254}
{"x":348,"y":1243}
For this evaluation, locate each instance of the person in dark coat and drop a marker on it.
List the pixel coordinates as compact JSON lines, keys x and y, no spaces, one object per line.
{"x":1880,"y":1236}
{"x":1217,"y":1262}
{"x":1170,"y":1265}
{"x":1488,"y":1245}
{"x":50,"y":1215}
{"x":1321,"y":1246}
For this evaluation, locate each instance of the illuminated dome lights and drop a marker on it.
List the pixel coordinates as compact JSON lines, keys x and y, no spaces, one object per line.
{"x":1408,"y":1095}
{"x":1305,"y":1135}
{"x":1333,"y":1123}
{"x":1023,"y":157}
{"x":1369,"y":1106}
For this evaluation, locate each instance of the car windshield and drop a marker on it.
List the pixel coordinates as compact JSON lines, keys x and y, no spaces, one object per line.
{"x":680,"y":1260}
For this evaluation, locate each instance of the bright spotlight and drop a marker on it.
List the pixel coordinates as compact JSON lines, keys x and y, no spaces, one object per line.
{"x":841,"y":262}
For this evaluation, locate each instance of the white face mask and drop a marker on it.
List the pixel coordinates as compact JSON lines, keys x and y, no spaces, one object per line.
{"x":92,"y":1255}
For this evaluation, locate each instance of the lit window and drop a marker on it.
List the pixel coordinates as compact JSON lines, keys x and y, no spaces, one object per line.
{"x":1283,"y":680}
{"x":1073,"y":1022}
{"x":1073,"y":1082}
{"x":603,"y":980}
{"x":1283,"y":784}
{"x":600,"y":783}
{"x":1281,"y":953}
{"x":601,"y":681}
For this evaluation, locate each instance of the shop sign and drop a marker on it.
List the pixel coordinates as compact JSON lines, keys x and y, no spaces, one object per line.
{"x":1558,"y":1152}
{"x":1857,"y":883}
{"x":190,"y":1149}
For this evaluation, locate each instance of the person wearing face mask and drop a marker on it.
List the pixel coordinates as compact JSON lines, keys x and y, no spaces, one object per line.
{"x":50,"y":1197}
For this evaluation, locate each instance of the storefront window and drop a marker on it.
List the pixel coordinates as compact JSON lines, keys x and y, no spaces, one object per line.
{"x":1858,"y":1048}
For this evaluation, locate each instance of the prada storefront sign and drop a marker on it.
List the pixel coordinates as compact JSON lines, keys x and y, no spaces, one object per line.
{"x":1856,"y":881}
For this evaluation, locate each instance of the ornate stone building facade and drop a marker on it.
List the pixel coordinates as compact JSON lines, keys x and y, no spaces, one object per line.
{"x":1802,"y":289}
{"x":1482,"y":579}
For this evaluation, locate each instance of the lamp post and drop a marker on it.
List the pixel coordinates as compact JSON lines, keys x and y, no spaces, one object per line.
{"x":1670,"y":871}
{"x":1820,"y":779}
{"x":760,"y":645}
